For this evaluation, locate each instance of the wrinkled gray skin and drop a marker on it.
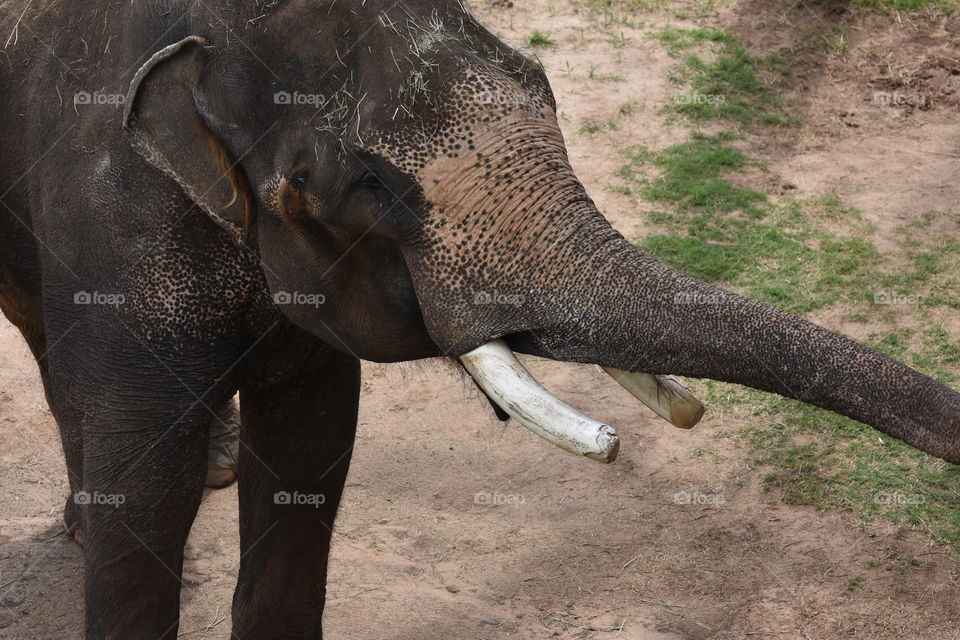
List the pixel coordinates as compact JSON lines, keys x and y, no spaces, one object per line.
{"x":430,"y":174}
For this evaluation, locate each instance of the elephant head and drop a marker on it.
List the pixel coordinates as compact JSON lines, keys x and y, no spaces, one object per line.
{"x":406,"y":168}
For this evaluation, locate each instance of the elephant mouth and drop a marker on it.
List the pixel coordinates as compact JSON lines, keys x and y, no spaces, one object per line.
{"x":508,"y":384}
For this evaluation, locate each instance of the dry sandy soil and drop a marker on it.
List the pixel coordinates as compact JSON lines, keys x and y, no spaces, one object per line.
{"x":577,"y":550}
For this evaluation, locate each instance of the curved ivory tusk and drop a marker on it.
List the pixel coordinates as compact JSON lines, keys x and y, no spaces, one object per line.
{"x":665,"y":395}
{"x":510,"y":385}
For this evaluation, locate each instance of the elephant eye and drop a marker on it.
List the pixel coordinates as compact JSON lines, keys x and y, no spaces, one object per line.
{"x":299,"y":180}
{"x":370,"y":180}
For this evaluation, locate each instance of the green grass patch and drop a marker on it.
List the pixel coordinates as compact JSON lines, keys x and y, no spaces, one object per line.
{"x":593,"y":127}
{"x":693,"y":175}
{"x":931,"y":273}
{"x":854,"y":583}
{"x":678,"y":40}
{"x":723,"y":232}
{"x":538,"y":39}
{"x":724,"y":81}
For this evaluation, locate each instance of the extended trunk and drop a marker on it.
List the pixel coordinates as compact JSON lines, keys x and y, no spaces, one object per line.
{"x":640,"y":315}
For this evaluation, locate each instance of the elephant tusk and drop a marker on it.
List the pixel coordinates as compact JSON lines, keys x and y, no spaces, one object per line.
{"x":510,"y":385}
{"x":665,"y":395}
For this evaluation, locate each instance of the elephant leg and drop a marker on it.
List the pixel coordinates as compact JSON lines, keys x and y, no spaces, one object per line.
{"x":71,"y":439}
{"x":68,"y":424}
{"x":298,"y":439}
{"x":142,"y":485}
{"x":145,"y":418}
{"x":222,"y":454}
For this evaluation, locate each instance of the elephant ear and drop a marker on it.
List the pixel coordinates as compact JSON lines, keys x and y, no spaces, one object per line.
{"x":168,"y":117}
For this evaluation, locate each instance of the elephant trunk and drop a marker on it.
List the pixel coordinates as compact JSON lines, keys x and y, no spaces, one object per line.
{"x":640,"y":315}
{"x":524,"y":255}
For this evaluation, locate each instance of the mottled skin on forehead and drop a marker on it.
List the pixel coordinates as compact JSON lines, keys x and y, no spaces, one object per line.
{"x":477,"y":101}
{"x":498,"y":199}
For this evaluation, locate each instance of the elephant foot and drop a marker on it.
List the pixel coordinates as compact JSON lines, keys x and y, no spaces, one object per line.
{"x":224,"y":446}
{"x":219,"y":478}
{"x":71,"y":521}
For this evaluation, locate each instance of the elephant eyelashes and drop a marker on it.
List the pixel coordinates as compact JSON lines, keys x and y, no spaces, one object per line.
{"x":299,"y":180}
{"x":371,"y":180}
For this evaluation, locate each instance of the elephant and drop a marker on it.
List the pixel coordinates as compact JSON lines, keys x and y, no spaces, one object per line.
{"x":209,"y":197}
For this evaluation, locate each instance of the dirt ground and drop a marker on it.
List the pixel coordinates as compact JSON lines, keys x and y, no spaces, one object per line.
{"x":455,"y":526}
